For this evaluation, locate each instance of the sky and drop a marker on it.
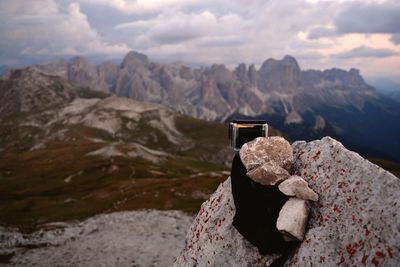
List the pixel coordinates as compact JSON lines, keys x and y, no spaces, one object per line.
{"x":320,"y":34}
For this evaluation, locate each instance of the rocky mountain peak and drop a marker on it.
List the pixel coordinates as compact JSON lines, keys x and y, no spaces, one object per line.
{"x":221,"y":74}
{"x":291,"y":61}
{"x":241,"y":72}
{"x":134,"y":58}
{"x":80,"y":60}
{"x":288,"y":62}
{"x":280,"y":74}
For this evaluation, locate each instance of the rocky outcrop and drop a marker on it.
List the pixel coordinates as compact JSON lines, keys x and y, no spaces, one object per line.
{"x":355,"y":221}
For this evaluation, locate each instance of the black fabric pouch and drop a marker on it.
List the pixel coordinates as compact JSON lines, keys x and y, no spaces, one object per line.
{"x":257,"y":210}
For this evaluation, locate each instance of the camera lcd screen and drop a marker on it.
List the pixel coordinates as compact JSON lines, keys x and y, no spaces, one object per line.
{"x":246,"y":134}
{"x":241,"y":132}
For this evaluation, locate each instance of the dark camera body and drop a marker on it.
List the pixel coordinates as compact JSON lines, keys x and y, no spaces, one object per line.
{"x":243,"y":131}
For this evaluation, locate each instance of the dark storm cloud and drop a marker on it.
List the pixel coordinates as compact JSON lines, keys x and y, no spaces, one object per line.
{"x":364,"y":52}
{"x":369,"y":18}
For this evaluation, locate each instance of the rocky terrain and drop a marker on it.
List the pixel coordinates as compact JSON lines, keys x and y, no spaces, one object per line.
{"x":135,"y":238}
{"x":70,"y":153}
{"x":355,"y":221}
{"x":305,"y":104}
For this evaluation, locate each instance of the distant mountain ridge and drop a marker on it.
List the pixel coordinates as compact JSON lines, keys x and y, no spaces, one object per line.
{"x":216,"y":92}
{"x":306,"y":104}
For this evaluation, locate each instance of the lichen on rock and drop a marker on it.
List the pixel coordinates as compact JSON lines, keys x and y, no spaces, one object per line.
{"x":355,"y":221}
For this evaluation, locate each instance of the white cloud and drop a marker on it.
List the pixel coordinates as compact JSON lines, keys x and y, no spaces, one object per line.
{"x":49,"y":31}
{"x":173,"y":27}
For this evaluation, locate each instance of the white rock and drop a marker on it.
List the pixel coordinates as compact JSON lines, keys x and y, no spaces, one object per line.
{"x":268,"y":174}
{"x":292,"y":219}
{"x":298,"y":187}
{"x":266,"y":149}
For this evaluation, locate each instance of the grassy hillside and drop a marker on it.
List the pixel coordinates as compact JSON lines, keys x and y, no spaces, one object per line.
{"x":54,"y":170}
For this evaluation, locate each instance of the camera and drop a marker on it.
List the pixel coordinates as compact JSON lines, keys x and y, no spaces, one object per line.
{"x":243,"y":131}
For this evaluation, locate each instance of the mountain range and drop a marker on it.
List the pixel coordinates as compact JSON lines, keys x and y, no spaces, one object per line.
{"x":305,"y":104}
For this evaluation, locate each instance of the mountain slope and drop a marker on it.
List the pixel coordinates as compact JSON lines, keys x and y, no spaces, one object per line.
{"x":77,"y":153}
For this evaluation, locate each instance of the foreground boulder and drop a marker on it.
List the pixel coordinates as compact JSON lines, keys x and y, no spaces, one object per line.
{"x":355,"y":221}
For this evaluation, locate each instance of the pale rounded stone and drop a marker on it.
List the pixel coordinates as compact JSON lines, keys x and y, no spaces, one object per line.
{"x":266,"y":149}
{"x":268,"y":174}
{"x":298,"y":187}
{"x":292,"y":219}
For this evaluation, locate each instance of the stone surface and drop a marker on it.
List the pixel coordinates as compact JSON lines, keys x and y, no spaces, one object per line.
{"x":213,"y":241}
{"x":268,"y":174}
{"x":298,"y":187}
{"x":135,"y":238}
{"x":355,"y":221}
{"x":266,"y":149}
{"x":292,"y":220}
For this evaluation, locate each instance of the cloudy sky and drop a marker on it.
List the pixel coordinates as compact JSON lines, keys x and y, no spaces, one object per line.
{"x":321,"y":34}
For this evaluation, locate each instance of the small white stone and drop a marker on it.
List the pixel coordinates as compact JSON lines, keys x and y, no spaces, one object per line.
{"x":298,"y":187}
{"x":268,"y":174}
{"x":292,"y":219}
